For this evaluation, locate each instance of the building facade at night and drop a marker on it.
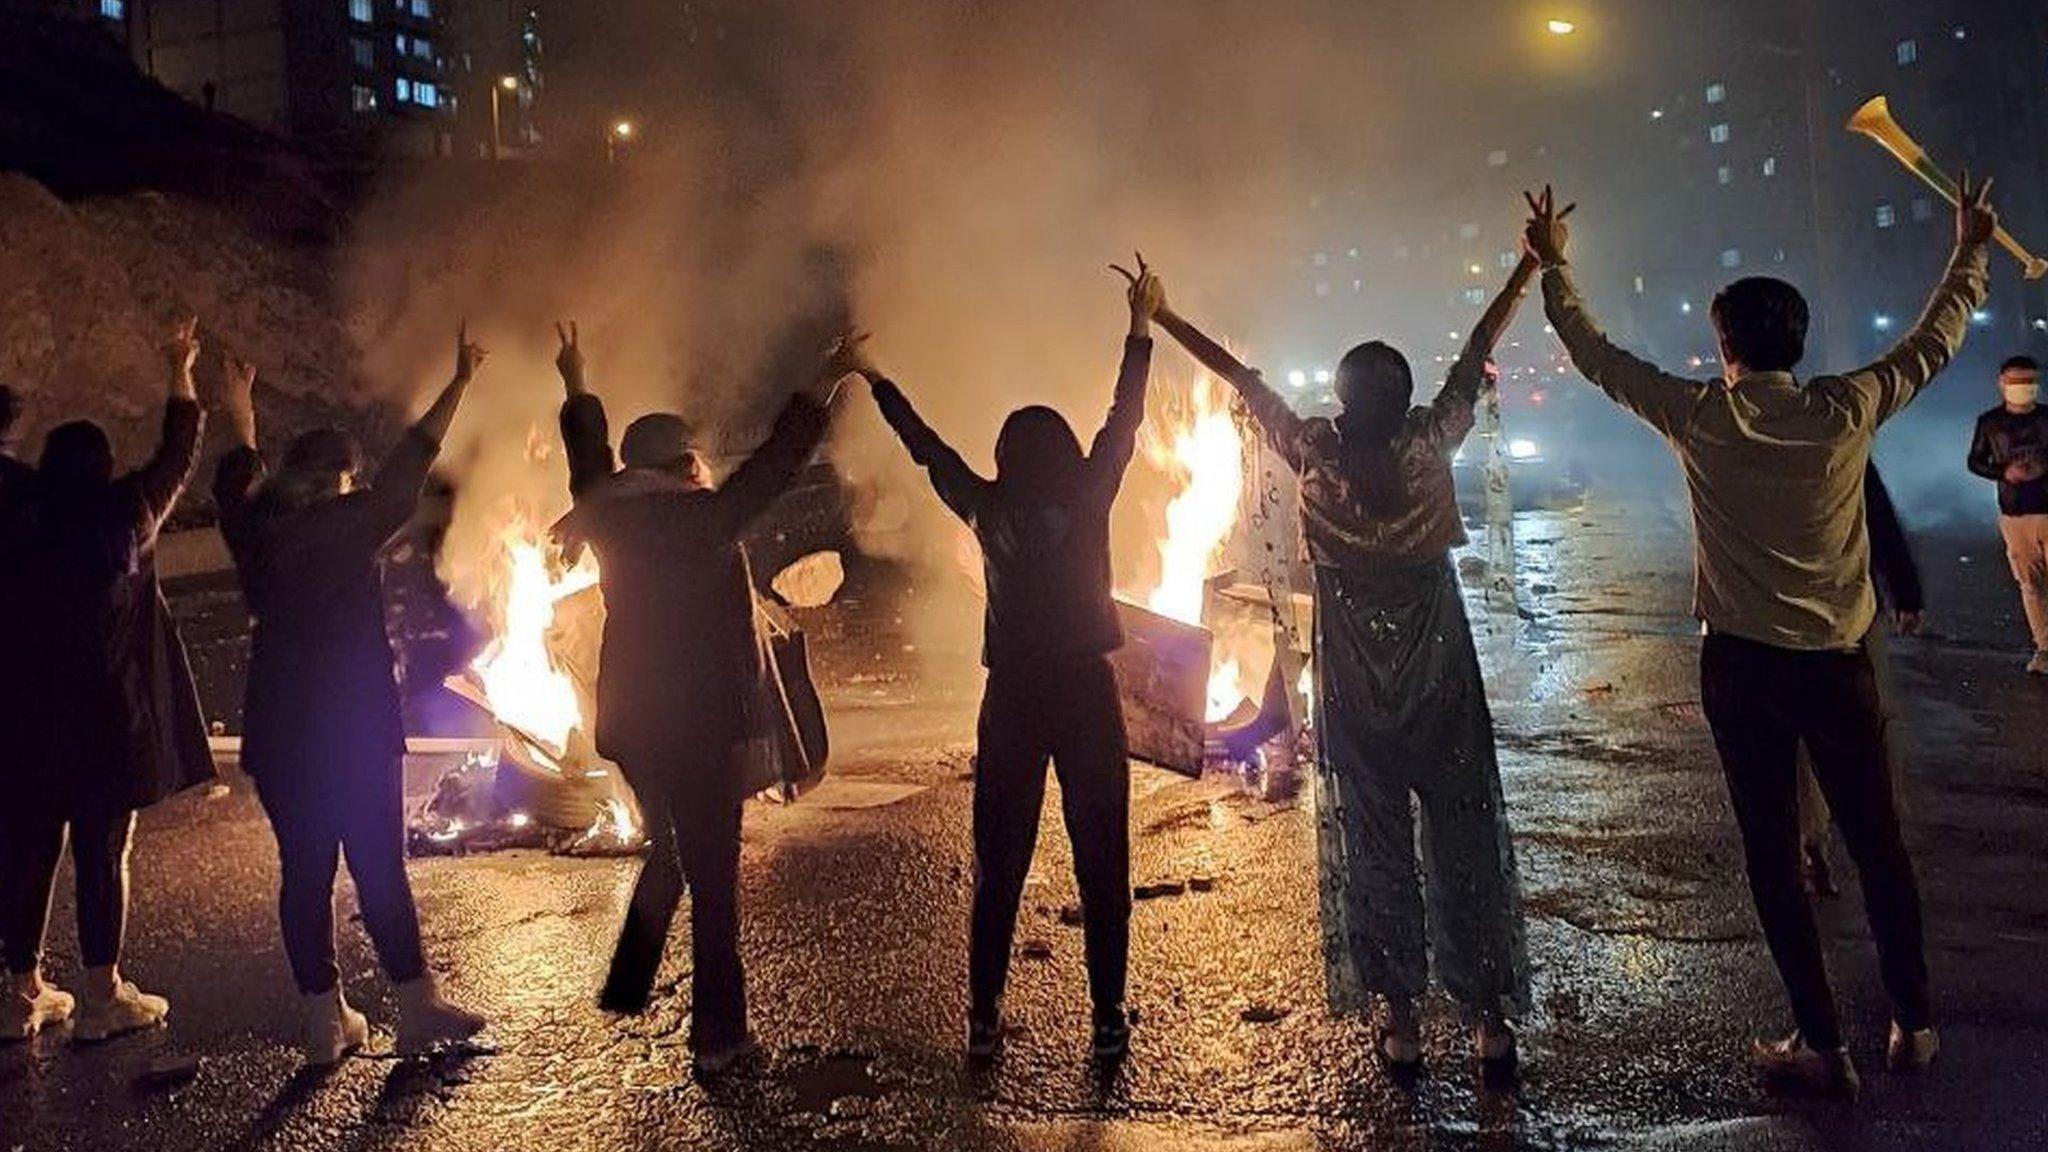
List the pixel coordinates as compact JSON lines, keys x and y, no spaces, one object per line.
{"x":411,"y":77}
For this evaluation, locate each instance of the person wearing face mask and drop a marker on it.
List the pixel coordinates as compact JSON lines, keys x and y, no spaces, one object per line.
{"x":1775,"y":469}
{"x":1400,"y":712}
{"x":678,"y":672}
{"x":323,"y":737}
{"x":2011,"y":448}
{"x":108,"y":721}
{"x":1048,"y":629}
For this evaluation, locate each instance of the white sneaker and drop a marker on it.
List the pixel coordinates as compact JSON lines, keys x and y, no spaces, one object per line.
{"x":27,"y":1009}
{"x":426,"y":1021}
{"x":129,"y":1009}
{"x":333,"y":1029}
{"x":2038,"y":666}
{"x":1911,"y":1051}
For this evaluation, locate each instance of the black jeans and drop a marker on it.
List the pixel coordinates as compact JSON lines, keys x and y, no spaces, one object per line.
{"x":318,"y":816}
{"x":31,"y":847}
{"x":1068,"y":712}
{"x":1762,"y":702}
{"x":693,"y":824}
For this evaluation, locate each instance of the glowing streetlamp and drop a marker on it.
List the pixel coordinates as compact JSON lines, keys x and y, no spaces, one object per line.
{"x":1561,"y":27}
{"x":620,"y":132}
{"x":505,"y":84}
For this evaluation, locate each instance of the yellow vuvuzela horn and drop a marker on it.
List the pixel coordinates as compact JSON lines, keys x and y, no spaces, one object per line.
{"x":1874,"y":120}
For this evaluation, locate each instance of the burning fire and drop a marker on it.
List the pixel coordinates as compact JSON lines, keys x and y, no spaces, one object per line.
{"x":1204,"y":447}
{"x":525,"y":686}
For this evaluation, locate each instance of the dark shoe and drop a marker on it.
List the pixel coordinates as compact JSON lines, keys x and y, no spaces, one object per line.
{"x":1790,"y":1064}
{"x":984,"y":1035}
{"x":1493,"y":1040}
{"x":1400,"y":1038}
{"x":1112,"y":1034}
{"x":1911,"y":1051}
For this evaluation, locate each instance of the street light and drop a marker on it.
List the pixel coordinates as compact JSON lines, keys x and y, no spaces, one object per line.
{"x":1561,"y":27}
{"x":620,"y":132}
{"x":504,"y":84}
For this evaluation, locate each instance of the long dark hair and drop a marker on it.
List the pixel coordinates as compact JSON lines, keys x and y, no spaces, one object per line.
{"x":1376,"y":387}
{"x":77,"y":524}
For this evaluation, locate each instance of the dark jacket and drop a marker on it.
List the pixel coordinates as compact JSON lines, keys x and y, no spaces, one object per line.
{"x":1892,"y":568}
{"x":115,"y":719}
{"x":681,"y":653}
{"x":2002,"y":437}
{"x":17,"y":483}
{"x":1045,"y":564}
{"x":321,"y":692}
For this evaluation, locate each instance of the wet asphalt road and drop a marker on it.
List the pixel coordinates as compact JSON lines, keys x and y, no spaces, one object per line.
{"x":1650,"y":975}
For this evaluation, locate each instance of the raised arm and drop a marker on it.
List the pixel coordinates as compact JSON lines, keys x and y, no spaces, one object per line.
{"x":961,"y":488}
{"x":1663,"y":401}
{"x":1282,"y":427}
{"x":1881,"y":390}
{"x":159,"y":482}
{"x":586,"y":431}
{"x":240,"y":472}
{"x":1450,"y":414}
{"x":1117,"y":442}
{"x":798,"y":430}
{"x":402,"y":475}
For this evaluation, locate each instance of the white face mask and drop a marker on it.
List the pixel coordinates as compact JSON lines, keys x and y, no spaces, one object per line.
{"x":2020,"y":395}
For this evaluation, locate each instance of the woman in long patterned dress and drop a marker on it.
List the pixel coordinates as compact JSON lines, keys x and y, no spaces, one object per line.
{"x":1400,"y":711}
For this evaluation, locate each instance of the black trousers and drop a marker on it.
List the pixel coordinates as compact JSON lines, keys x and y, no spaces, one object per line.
{"x":31,"y":847}
{"x":318,"y":816}
{"x":692,"y":812}
{"x":1067,"y":712}
{"x":1761,"y":702}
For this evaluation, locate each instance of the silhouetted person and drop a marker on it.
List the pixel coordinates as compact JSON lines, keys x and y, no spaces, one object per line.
{"x":113,"y":722}
{"x":678,"y":676}
{"x":2011,"y":447}
{"x":1775,"y":468}
{"x":1899,"y":595}
{"x":323,"y":737}
{"x":1048,"y":630}
{"x":1401,"y":717}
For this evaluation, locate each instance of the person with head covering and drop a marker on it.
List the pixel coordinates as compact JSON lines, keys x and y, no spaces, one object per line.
{"x":1775,"y":470}
{"x":1400,"y":711}
{"x":1048,"y":630}
{"x":322,"y":732}
{"x":109,"y":722}
{"x":678,"y":673}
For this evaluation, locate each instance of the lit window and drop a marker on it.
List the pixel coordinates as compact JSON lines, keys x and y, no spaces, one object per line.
{"x":426,"y":95}
{"x":1923,"y":208}
{"x":1731,"y":257}
{"x":1320,"y":259}
{"x":1725,"y":174}
{"x":1908,"y":52}
{"x":364,"y":52}
{"x":1717,"y":93}
{"x":424,"y":49}
{"x":114,"y":9}
{"x":1639,"y":285}
{"x":1506,"y":259}
{"x":404,"y":90}
{"x":363,"y":98}
{"x":1322,"y":287}
{"x":422,"y":8}
{"x":360,"y":11}
{"x":1881,"y":322}
{"x":1353,"y":253}
{"x":1770,"y":165}
{"x":1475,"y":295}
{"x":1886,"y":216}
{"x":1961,"y":33}
{"x":1656,"y":113}
{"x":1498,"y":158}
{"x":1718,"y":133}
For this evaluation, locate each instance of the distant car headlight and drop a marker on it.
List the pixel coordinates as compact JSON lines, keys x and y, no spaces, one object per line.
{"x":1521,"y":449}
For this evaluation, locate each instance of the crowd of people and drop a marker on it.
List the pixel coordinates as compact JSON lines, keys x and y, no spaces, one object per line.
{"x":1797,"y":550}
